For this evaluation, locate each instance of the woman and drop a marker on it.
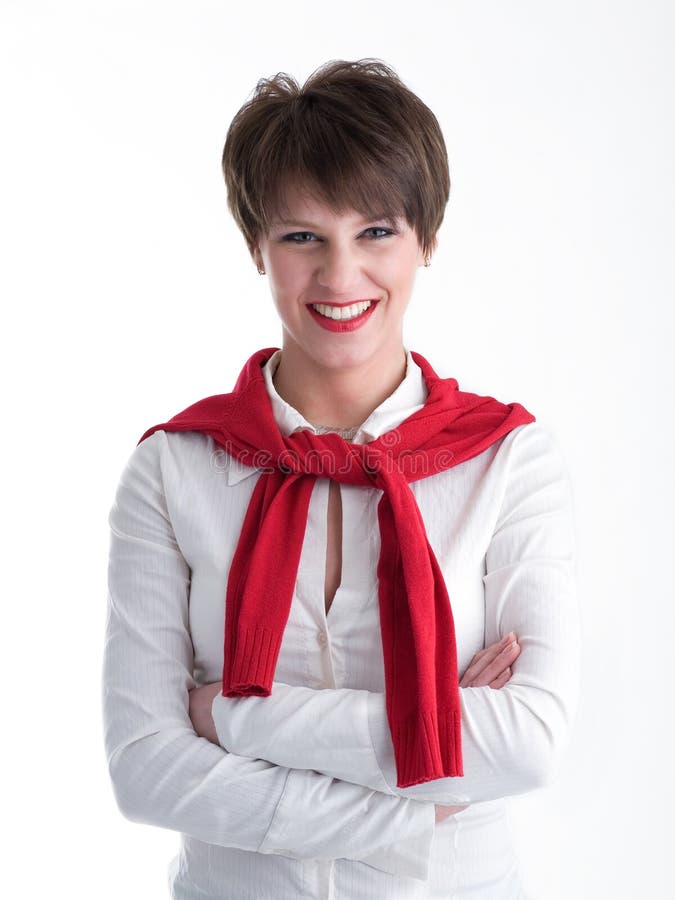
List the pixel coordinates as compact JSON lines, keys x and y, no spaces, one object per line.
{"x":302,"y":569}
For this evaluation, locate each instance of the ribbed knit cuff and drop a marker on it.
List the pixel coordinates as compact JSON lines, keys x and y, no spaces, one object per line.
{"x":251,"y":671}
{"x":427,"y":746}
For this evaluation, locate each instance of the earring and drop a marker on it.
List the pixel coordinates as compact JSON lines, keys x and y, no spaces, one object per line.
{"x":261,"y":270}
{"x":427,"y":261}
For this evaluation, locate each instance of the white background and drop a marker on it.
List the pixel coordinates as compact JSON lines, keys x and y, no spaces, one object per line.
{"x":128,"y":293}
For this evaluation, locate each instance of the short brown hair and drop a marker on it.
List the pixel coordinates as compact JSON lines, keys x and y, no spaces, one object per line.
{"x":354,"y":136}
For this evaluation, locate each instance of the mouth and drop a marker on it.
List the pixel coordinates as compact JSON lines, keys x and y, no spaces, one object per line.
{"x":342,"y":312}
{"x":342,"y":316}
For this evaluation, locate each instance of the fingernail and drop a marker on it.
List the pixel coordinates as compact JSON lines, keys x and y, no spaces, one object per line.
{"x":509,"y":637}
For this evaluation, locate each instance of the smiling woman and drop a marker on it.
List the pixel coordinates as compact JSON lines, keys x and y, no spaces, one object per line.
{"x":331,"y":658}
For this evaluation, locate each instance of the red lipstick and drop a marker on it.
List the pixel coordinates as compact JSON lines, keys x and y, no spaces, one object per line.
{"x":342,"y":325}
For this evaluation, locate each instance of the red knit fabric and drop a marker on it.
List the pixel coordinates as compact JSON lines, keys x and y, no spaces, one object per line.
{"x":418,"y":636}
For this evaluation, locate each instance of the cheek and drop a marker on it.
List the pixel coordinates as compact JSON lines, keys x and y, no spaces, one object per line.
{"x":402,"y":273}
{"x":401,"y":264}
{"x":287,"y":275}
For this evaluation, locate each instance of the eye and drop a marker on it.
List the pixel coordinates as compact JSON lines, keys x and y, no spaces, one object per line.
{"x":298,"y":237}
{"x":377,"y":237}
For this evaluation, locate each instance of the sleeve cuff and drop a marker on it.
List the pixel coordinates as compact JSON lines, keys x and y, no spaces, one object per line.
{"x":387,"y":833}
{"x":409,"y":858}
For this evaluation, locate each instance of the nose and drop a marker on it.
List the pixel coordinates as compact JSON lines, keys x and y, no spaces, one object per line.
{"x":339,"y":269}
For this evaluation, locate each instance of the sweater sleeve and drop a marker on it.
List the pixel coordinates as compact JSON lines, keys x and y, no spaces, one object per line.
{"x":512,"y":739}
{"x":162,"y":773}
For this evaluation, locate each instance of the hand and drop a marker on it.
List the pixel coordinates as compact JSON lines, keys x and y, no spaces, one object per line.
{"x":200,"y":700}
{"x":491,"y":667}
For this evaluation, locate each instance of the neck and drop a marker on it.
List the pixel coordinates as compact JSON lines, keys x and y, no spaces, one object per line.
{"x":342,"y":398}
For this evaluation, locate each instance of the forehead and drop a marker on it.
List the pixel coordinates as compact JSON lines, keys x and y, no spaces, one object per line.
{"x":300,"y":205}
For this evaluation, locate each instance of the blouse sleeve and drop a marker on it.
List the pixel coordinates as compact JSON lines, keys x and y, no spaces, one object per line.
{"x":162,"y":773}
{"x":513,"y":738}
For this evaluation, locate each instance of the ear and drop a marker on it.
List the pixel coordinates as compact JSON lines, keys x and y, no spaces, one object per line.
{"x":256,"y":255}
{"x":434,"y":245}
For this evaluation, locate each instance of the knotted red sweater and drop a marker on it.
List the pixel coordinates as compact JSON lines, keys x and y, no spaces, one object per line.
{"x":418,"y":637}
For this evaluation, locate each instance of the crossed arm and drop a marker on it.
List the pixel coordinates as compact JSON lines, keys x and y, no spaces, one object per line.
{"x":287,"y":722}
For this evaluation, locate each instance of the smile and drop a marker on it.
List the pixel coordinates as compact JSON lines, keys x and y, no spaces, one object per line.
{"x":342,"y":318}
{"x":340,"y":313}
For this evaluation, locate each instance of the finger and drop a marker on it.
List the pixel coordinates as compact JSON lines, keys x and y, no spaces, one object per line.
{"x":504,"y":661}
{"x":478,"y":665}
{"x":481,"y":653}
{"x":502,"y":679}
{"x":494,"y":668}
{"x":483,"y":658}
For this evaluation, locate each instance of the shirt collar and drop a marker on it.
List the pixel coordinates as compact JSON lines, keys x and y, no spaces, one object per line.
{"x":409,"y":397}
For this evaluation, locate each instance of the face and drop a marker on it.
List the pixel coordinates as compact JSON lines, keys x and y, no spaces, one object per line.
{"x":340,"y":283}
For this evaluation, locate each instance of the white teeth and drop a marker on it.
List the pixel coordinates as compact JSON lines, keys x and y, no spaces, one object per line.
{"x":342,"y":312}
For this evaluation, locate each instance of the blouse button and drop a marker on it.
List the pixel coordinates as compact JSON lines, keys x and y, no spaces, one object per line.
{"x":322,"y":638}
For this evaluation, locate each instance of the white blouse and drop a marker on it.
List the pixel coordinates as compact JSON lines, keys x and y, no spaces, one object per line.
{"x":300,"y":801}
